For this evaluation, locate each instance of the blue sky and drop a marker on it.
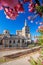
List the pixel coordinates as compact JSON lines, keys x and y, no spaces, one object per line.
{"x":13,"y":25}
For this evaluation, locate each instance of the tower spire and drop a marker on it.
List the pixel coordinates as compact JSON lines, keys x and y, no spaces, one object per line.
{"x":25,"y":22}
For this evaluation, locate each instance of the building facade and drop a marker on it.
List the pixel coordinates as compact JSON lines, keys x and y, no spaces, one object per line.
{"x":21,"y":39}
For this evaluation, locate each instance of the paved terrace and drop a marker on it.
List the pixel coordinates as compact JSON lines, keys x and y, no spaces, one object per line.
{"x":5,"y":53}
{"x":22,"y":60}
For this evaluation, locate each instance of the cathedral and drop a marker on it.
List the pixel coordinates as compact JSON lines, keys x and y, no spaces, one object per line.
{"x":21,"y":39}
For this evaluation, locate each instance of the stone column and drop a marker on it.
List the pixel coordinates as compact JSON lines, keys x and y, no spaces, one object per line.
{"x":8,"y":43}
{"x":20,"y":42}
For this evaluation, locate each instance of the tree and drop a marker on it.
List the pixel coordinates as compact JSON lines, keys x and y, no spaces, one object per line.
{"x":40,"y":38}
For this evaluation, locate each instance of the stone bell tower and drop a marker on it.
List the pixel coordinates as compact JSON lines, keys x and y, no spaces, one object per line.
{"x":26,"y":31}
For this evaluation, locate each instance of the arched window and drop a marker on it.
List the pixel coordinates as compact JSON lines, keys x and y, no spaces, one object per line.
{"x":6,"y":31}
{"x":10,"y":41}
{"x":18,"y":41}
{"x":14,"y":41}
{"x":22,"y":40}
{"x":1,"y":42}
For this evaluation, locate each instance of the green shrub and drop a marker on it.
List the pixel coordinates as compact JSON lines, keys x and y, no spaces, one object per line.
{"x":34,"y":62}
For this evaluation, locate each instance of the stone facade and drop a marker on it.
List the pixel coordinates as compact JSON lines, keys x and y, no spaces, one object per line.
{"x":21,"y":39}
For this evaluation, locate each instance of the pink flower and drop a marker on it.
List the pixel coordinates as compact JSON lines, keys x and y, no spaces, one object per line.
{"x":42,"y":62}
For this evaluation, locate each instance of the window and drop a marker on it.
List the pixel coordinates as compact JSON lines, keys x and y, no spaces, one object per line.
{"x":6,"y":31}
{"x":18,"y":41}
{"x":10,"y":41}
{"x":1,"y":42}
{"x":14,"y":41}
{"x":22,"y":40}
